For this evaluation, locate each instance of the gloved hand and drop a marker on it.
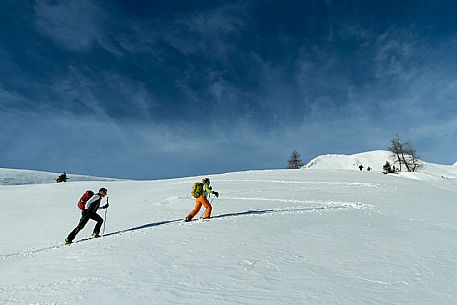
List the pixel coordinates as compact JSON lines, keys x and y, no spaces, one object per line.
{"x":216,"y":194}
{"x":105,"y":206}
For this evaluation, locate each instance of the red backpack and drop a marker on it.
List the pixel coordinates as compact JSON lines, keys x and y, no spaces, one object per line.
{"x":84,"y":198}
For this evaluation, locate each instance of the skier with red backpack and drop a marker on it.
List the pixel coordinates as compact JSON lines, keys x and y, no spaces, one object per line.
{"x":89,"y":204}
{"x":200,"y":191}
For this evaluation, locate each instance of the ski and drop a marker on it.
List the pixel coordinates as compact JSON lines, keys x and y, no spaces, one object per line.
{"x":197,"y":219}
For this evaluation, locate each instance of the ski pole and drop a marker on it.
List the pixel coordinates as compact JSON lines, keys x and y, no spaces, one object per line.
{"x":104,"y":222}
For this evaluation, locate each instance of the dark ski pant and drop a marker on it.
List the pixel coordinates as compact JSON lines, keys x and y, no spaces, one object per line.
{"x":85,"y":216}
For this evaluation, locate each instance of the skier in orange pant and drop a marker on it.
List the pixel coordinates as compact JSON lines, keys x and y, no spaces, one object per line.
{"x":200,"y":191}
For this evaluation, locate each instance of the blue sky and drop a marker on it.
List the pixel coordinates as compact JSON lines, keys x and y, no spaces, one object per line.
{"x":158,"y":89}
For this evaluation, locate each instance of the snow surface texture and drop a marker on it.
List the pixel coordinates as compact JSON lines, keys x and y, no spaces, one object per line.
{"x":277,"y":237}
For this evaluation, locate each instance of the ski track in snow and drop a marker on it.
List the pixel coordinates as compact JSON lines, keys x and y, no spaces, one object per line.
{"x":308,"y":183}
{"x":321,"y":206}
{"x":333,"y":184}
{"x":322,"y":202}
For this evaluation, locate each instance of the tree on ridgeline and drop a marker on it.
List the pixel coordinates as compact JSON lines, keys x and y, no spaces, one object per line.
{"x":412,"y":158}
{"x":294,"y":161}
{"x":396,"y":150}
{"x":404,"y":154}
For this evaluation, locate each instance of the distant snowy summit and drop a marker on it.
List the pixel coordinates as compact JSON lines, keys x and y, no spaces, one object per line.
{"x":375,"y":160}
{"x":21,"y":176}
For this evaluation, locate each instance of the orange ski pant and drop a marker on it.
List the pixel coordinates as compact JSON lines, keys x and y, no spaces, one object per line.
{"x":198,"y":205}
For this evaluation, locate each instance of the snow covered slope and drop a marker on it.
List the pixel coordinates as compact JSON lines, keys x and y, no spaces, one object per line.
{"x":376,"y":159}
{"x":20,"y":176}
{"x":277,"y":237}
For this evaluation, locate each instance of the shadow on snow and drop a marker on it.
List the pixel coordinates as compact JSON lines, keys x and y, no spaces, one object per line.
{"x":165,"y":222}
{"x":227,"y":215}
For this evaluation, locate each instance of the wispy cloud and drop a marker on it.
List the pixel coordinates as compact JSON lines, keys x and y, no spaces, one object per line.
{"x":11,"y":101}
{"x":397,"y":53}
{"x":92,"y":144}
{"x":104,"y":93}
{"x":207,"y":31}
{"x":203,"y":33}
{"x":73,"y":25}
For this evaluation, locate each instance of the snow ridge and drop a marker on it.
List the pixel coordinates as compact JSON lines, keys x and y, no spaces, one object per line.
{"x":375,"y":160}
{"x":21,"y":176}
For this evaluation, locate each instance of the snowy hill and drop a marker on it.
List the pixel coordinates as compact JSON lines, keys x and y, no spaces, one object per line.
{"x":276,"y":237}
{"x":20,"y":176}
{"x":376,"y":159}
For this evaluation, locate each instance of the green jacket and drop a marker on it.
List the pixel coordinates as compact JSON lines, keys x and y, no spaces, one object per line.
{"x":207,"y":190}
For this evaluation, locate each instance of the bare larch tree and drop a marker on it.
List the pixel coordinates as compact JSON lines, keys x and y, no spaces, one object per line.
{"x":404,"y":154}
